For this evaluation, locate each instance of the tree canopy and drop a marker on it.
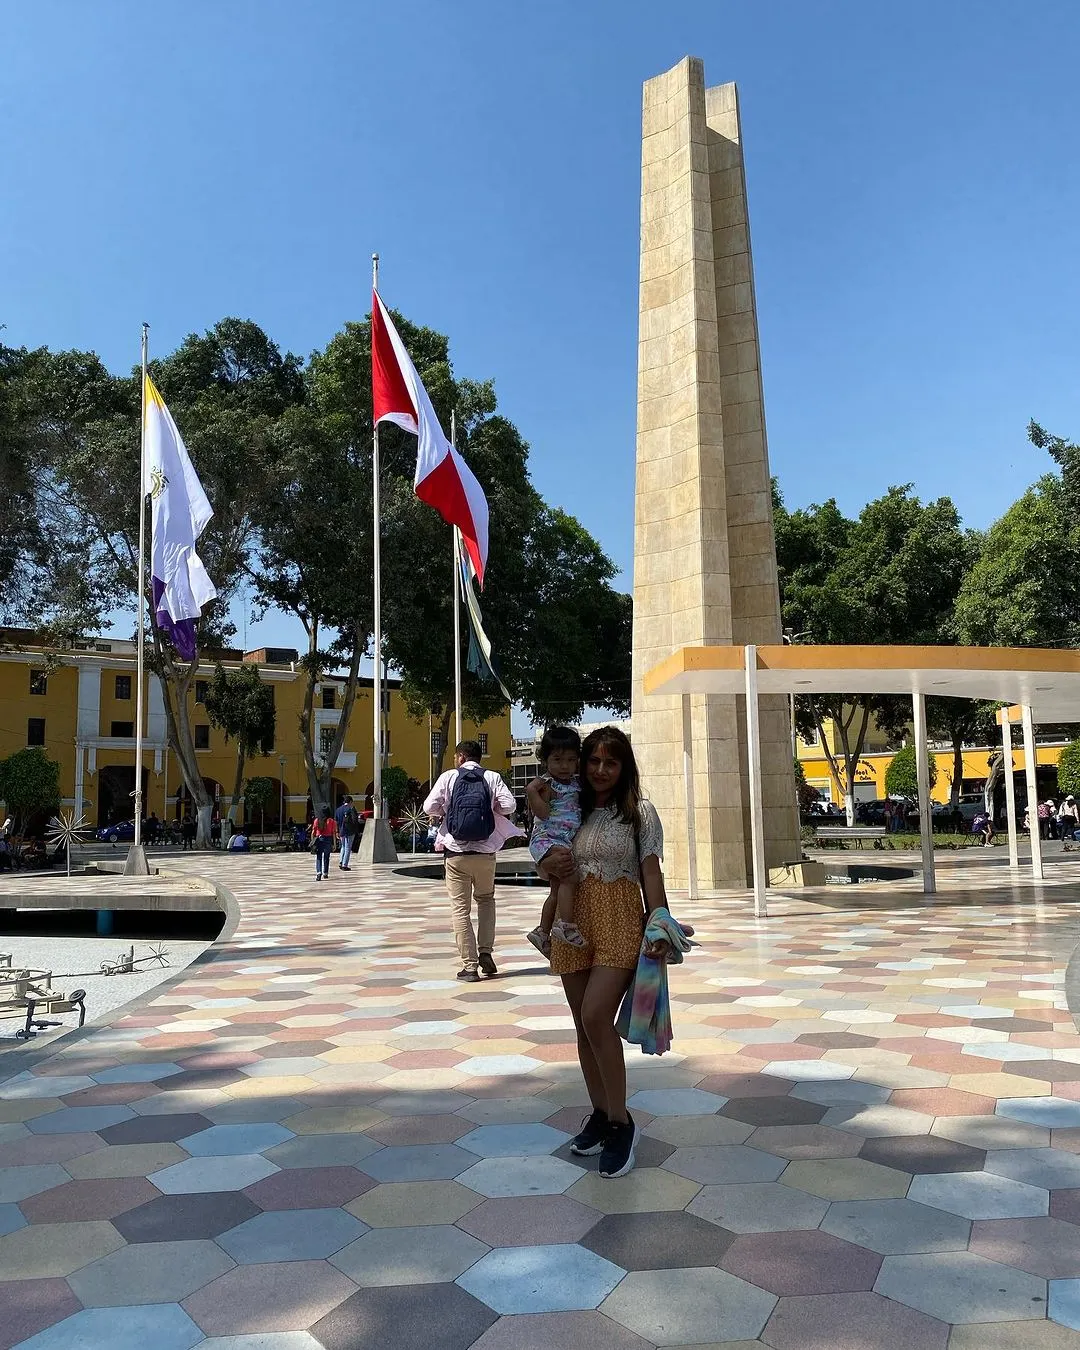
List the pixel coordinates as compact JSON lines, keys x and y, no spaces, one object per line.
{"x":29,"y":782}
{"x":902,"y":778}
{"x":283,"y":450}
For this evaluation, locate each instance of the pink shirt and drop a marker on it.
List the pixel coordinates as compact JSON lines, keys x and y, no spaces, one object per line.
{"x":503,"y":806}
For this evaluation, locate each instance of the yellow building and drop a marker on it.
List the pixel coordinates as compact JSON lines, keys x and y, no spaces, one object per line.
{"x":79,"y":705}
{"x":878,"y":753}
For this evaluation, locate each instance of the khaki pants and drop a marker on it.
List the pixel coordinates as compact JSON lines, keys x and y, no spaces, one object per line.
{"x":471,"y":876}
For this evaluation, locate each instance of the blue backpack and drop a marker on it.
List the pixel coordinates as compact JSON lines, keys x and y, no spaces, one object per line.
{"x":469,"y":817}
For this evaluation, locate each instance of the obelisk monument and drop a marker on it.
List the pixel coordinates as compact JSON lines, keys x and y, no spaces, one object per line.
{"x":704,"y":551}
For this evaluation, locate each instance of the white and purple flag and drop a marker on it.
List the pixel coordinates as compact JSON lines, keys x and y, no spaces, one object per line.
{"x":179,"y":514}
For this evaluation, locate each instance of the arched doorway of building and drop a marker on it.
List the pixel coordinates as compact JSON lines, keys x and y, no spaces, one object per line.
{"x":267,"y":817}
{"x":116,"y":793}
{"x":184,"y":802}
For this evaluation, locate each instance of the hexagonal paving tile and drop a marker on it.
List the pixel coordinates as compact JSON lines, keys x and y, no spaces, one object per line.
{"x":661,"y":1240}
{"x":762,"y":1207}
{"x":521,"y":1176}
{"x":438,"y":1129}
{"x":923,"y":1153}
{"x":55,"y":1249}
{"x":676,"y":1102}
{"x":846,"y":1179}
{"x":31,"y":1306}
{"x":1053,"y":1168}
{"x":962,"y":1287}
{"x":430,"y":1254}
{"x":418,"y":1318}
{"x":774,"y":1111}
{"x":403,"y":1204}
{"x":291,"y":1235}
{"x":155,"y":1129}
{"x":507,"y":1141}
{"x":155,"y":1272}
{"x":725,"y":1165}
{"x":698,"y":1131}
{"x":826,"y":1321}
{"x":980,"y":1195}
{"x":19,"y":1183}
{"x":808,"y":1070}
{"x":1065,"y":1302}
{"x":280,"y":1296}
{"x":322,"y":1150}
{"x":1051,"y":1112}
{"x":564,"y":1331}
{"x":419,"y":1162}
{"x":212,"y":1174}
{"x":989,"y":1132}
{"x":224,"y":1140}
{"x":1046,"y":1247}
{"x":680,"y":1307}
{"x":801,"y":1263}
{"x":508,"y":1110}
{"x":555,"y":1278}
{"x":805,"y":1141}
{"x":185,"y":1217}
{"x":309,"y":1187}
{"x":101,"y":1199}
{"x":76,"y":1119}
{"x":640,"y":1191}
{"x":165,"y":1326}
{"x":896,"y":1227}
{"x":529,"y":1220}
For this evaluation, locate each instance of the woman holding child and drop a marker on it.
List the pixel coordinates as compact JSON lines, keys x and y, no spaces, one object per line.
{"x":598,"y":882}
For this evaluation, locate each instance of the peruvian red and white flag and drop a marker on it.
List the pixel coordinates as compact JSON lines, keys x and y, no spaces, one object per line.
{"x":443,"y":479}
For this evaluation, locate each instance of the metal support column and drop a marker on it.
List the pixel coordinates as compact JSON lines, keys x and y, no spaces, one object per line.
{"x":922,"y":771}
{"x":1010,"y":791}
{"x":1032,"y":791}
{"x":753,"y":759}
{"x":688,"y":787}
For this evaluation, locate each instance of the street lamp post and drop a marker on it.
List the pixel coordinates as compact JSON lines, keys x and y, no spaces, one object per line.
{"x":790,"y":639}
{"x":281,"y":800}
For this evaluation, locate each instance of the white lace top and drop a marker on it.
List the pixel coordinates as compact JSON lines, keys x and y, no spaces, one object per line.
{"x":604,"y":846}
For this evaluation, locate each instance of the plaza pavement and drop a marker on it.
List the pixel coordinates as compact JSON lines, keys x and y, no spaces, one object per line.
{"x":867,"y":1135}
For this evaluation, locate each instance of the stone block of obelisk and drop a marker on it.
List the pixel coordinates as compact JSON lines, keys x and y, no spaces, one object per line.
{"x":704,"y":551}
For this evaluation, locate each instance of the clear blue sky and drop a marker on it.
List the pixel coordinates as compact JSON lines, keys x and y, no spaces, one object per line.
{"x":914,"y":195}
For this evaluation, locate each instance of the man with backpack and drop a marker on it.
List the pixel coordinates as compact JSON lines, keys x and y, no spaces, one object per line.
{"x":474,"y":809}
{"x":347,"y":823}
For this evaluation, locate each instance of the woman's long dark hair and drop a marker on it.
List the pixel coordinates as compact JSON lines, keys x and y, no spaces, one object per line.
{"x":626,"y":795}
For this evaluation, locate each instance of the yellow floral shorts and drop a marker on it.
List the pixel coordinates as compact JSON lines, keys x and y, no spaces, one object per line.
{"x":611,"y":917}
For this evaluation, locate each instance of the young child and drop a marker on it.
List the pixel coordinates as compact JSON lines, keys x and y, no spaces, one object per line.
{"x":554,"y":799}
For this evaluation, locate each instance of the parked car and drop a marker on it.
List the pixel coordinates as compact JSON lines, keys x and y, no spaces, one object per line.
{"x":971,"y":804}
{"x":123,"y":832}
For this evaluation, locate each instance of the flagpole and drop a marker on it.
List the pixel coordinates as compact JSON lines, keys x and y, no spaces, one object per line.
{"x":376,"y":790}
{"x":456,"y":543}
{"x":142,"y":598}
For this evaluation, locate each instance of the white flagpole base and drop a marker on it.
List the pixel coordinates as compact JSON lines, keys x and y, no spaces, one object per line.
{"x":376,"y":844}
{"x":135,"y":864}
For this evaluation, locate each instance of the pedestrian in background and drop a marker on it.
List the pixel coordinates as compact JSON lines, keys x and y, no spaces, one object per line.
{"x":347,"y":820}
{"x":323,"y":832}
{"x":475,"y":812}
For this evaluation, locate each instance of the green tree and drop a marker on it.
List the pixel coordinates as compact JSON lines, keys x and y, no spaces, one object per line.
{"x":806,"y":794}
{"x":226,"y":390}
{"x":1023,"y":590}
{"x":258,"y":794}
{"x":960,"y":722}
{"x":902,"y":777}
{"x":891,"y":576}
{"x":241,"y":704}
{"x":561,"y":633}
{"x":29,"y":782}
{"x":395,"y":788}
{"x":1068,"y":768}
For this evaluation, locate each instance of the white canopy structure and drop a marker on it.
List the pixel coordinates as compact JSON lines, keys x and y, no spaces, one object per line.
{"x":1038,"y":684}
